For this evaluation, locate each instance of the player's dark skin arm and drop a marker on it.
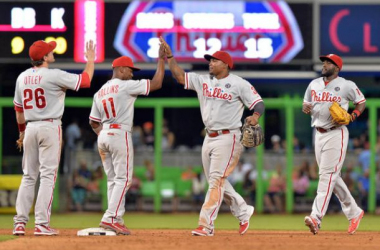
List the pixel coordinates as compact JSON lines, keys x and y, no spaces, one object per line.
{"x":257,"y":112}
{"x":156,"y":82}
{"x":177,"y":72}
{"x":96,"y":126}
{"x":359,"y":107}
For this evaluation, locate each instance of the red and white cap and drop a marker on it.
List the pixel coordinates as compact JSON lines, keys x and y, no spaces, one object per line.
{"x":40,"y":48}
{"x":337,"y":60}
{"x":124,"y":61}
{"x":223,"y":56}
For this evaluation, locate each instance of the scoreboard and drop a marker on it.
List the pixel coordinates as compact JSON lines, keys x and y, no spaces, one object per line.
{"x":251,"y":31}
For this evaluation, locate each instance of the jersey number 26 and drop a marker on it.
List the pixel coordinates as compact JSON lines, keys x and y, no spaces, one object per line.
{"x":38,"y":96}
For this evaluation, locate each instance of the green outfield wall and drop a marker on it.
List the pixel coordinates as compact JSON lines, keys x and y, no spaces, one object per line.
{"x":288,"y":105}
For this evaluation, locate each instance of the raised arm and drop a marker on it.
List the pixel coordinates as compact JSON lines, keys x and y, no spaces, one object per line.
{"x":90,"y":56}
{"x":158,"y":77}
{"x":177,"y":72}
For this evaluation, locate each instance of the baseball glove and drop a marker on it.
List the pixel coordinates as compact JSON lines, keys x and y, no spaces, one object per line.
{"x":251,"y":136}
{"x":339,"y":115}
{"x":20,"y":140}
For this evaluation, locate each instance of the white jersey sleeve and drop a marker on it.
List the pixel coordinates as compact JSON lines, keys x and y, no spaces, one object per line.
{"x":95,"y":114}
{"x":354,"y":93}
{"x":138,"y":87}
{"x":67,"y":80}
{"x":193,"y":81}
{"x":17,"y":101}
{"x":249,"y":95}
{"x":307,"y":97}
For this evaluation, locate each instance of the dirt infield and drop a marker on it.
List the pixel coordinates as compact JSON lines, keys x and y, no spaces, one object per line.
{"x":182,"y":240}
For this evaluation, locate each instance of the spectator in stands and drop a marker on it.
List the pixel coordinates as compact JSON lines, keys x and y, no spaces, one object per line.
{"x":188,"y":174}
{"x":273,"y":198}
{"x":149,"y":170}
{"x":133,"y":195}
{"x":249,"y":184}
{"x":93,"y":187}
{"x":313,"y":172}
{"x":276,"y":144}
{"x":168,"y":137}
{"x":72,"y":135}
{"x":301,"y":182}
{"x":364,"y":157}
{"x":78,"y":190}
{"x":198,"y":190}
{"x":363,"y":185}
{"x":137,"y":137}
{"x":350,"y":177}
{"x":378,"y":191}
{"x":148,"y":134}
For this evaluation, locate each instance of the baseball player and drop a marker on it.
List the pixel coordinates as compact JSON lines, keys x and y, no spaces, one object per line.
{"x":331,"y":140}
{"x":222,"y":97}
{"x":111,"y":119}
{"x":39,"y":104}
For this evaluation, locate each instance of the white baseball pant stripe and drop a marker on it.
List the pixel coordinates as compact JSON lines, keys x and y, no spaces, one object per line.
{"x":331,"y":148}
{"x":116,"y":151}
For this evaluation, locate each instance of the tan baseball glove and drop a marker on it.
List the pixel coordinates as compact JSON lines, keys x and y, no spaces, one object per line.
{"x":251,"y":136}
{"x":339,"y":115}
{"x":20,"y":140}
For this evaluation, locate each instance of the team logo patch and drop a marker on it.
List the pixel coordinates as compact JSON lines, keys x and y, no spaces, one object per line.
{"x":337,"y":89}
{"x":227,"y":85}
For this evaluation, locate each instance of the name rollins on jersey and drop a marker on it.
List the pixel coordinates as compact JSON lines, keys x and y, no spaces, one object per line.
{"x":113,"y":89}
{"x":216,"y":93}
{"x":324,"y":97}
{"x":32,"y":80}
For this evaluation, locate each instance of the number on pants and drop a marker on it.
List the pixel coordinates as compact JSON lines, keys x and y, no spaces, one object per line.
{"x":104,"y":101}
{"x":38,"y":96}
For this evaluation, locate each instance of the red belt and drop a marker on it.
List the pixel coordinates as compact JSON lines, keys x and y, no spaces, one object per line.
{"x":322,"y":130}
{"x":220,"y":132}
{"x":48,"y":120}
{"x":116,"y":126}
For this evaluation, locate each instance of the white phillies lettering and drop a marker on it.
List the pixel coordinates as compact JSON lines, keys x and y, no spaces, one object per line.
{"x":324,"y":96}
{"x":113,"y":89}
{"x":216,"y":93}
{"x":32,"y":80}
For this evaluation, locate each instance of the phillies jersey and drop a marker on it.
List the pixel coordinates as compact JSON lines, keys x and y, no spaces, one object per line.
{"x":321,"y":97}
{"x":114,"y":102}
{"x":41,"y":92}
{"x":222,"y":101}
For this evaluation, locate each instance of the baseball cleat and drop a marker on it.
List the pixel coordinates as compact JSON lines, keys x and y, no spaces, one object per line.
{"x":244,"y":225}
{"x":42,"y":230}
{"x":354,"y":223}
{"x":202,"y":231}
{"x":116,"y":227}
{"x":312,"y":224}
{"x":19,"y":229}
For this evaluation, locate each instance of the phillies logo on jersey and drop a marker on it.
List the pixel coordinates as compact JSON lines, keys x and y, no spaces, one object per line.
{"x":215,"y":92}
{"x":324,"y":96}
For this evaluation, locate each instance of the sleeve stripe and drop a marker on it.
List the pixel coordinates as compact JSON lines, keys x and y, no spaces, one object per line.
{"x":79,"y":81}
{"x":364,"y":100}
{"x":95,"y":119}
{"x":253,"y":104}
{"x":17,"y":104}
{"x":147,"y":87}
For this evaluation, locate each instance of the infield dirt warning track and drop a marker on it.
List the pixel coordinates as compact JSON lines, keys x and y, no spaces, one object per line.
{"x":182,"y":240}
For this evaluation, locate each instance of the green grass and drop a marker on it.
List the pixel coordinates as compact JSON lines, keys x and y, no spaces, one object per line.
{"x":189,"y":221}
{"x":6,"y":237}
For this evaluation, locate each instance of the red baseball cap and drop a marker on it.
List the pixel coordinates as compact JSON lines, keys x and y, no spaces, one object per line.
{"x":223,"y":56}
{"x":124,"y":61}
{"x":40,"y":48}
{"x":334,"y":59}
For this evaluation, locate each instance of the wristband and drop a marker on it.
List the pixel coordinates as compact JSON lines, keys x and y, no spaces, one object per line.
{"x":257,"y":113}
{"x":355,"y":114}
{"x":21,"y":127}
{"x":168,"y":57}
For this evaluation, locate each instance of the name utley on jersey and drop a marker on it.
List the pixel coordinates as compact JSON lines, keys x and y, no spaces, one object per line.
{"x":222,"y":101}
{"x":114,"y":102}
{"x":321,"y":97}
{"x":41,"y":92}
